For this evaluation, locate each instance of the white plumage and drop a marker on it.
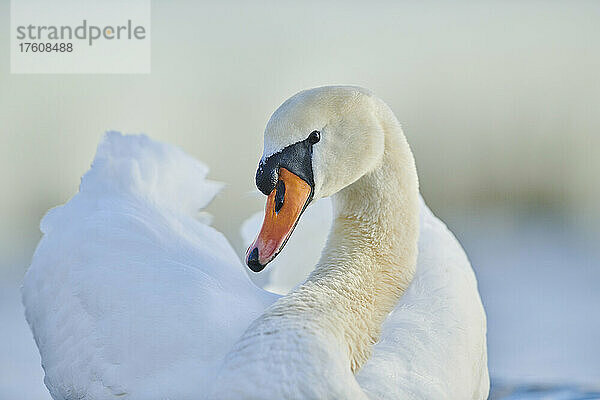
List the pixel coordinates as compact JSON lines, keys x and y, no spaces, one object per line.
{"x":130,"y":296}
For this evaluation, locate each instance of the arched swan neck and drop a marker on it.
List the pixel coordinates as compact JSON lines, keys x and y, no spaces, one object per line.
{"x":325,"y":327}
{"x":370,"y":256}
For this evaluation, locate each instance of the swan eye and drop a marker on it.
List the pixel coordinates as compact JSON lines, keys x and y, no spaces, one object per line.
{"x":314,"y":137}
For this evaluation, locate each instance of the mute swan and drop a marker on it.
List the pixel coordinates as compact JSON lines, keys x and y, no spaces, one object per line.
{"x":130,"y":296}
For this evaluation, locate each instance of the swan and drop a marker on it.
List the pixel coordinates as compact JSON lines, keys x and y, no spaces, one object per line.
{"x":130,"y":295}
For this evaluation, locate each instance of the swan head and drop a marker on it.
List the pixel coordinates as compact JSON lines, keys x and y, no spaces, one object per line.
{"x":316,"y":143}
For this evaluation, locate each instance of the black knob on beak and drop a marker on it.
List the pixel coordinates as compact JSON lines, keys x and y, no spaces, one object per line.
{"x":296,"y":158}
{"x":267,"y":175}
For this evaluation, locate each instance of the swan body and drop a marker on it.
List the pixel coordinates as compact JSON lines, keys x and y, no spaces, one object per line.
{"x":129,"y":295}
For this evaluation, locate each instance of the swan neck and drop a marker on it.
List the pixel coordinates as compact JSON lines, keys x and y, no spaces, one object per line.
{"x":370,"y":256}
{"x":327,"y":325}
{"x":329,"y":322}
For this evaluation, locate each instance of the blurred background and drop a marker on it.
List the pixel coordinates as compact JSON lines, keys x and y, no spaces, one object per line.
{"x":499,"y":100}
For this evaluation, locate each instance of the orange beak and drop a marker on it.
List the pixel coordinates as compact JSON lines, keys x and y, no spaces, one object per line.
{"x":284,"y":206}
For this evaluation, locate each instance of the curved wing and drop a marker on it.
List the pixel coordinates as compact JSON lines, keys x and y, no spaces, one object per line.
{"x":128,"y":294}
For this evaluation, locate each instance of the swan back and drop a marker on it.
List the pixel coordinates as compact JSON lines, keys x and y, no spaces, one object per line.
{"x":128,"y":294}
